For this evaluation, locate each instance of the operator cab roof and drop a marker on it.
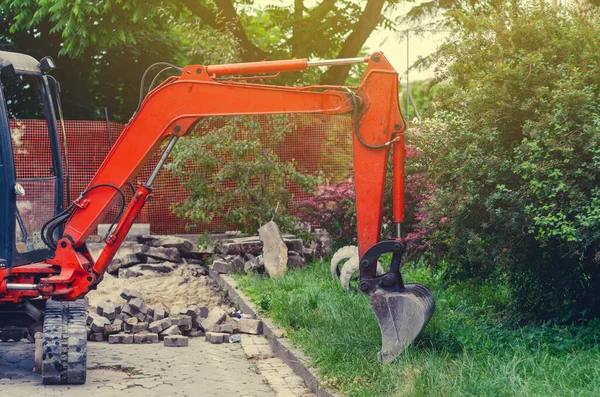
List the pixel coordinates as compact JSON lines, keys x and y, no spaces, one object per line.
{"x":14,"y":63}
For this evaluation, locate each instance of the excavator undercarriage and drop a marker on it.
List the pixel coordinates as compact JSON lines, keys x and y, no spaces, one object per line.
{"x":167,"y":113}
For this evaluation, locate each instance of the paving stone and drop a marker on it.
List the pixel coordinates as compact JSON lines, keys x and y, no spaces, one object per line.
{"x":176,"y":341}
{"x":215,"y":316}
{"x":216,"y":337}
{"x":129,"y":273}
{"x":181,"y":244}
{"x":250,"y":326}
{"x":182,"y":321}
{"x":136,"y":304}
{"x":171,"y":331}
{"x":96,"y":337}
{"x":91,"y":316}
{"x":234,"y":324}
{"x":196,"y":334}
{"x":221,"y":266}
{"x":295,"y":261}
{"x":129,"y":310}
{"x":98,"y":324}
{"x":160,"y":325}
{"x":114,"y":328}
{"x":139,"y":327}
{"x":165,"y":254}
{"x":129,"y":294}
{"x":120,"y":338}
{"x":220,"y":328}
{"x":145,"y":337}
{"x":275,"y":251}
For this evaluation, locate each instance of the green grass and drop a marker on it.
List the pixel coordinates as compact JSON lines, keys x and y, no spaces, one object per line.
{"x":467,"y":349}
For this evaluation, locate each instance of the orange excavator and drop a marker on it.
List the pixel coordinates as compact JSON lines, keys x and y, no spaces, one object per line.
{"x":45,"y":267}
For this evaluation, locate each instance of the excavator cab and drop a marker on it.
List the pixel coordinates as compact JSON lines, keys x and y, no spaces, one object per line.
{"x":31,"y":178}
{"x":31,"y":174}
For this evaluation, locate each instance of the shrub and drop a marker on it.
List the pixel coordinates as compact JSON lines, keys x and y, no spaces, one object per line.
{"x":232,"y":172}
{"x":514,"y":155}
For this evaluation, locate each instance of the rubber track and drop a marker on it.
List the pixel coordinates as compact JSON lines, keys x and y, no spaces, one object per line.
{"x":64,"y":347}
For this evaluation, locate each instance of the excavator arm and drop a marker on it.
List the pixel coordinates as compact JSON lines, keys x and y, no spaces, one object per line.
{"x":171,"y":111}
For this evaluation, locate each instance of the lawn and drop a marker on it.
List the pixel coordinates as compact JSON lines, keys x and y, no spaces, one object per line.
{"x":467,"y":349}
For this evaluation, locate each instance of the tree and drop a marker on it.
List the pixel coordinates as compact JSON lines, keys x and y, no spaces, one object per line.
{"x":329,"y":29}
{"x":514,"y":154}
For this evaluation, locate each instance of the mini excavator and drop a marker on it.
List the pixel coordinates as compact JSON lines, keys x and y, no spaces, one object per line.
{"x":45,"y":272}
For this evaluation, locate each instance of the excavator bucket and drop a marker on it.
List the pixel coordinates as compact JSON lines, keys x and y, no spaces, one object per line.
{"x":402,"y":310}
{"x":402,"y":315}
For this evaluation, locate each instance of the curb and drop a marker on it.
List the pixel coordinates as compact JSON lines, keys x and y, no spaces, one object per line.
{"x":282,"y":347}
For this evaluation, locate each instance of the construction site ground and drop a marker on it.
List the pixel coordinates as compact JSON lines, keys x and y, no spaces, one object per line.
{"x":248,"y":368}
{"x":201,"y":369}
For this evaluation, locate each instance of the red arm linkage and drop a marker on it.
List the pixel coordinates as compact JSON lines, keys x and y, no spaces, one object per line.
{"x":171,"y":110}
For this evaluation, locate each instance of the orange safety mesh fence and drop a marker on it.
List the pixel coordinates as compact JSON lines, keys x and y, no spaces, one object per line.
{"x":317,"y":144}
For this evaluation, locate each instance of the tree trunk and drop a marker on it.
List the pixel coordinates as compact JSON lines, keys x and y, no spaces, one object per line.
{"x":363,"y":28}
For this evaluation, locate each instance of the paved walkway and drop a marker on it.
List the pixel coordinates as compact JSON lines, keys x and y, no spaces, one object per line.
{"x":202,"y":369}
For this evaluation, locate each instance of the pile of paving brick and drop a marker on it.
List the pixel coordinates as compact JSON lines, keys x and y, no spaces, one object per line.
{"x":135,"y":321}
{"x":152,"y":254}
{"x":270,"y":252}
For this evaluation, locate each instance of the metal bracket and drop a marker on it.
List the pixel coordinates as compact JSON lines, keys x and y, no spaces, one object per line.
{"x":390,"y":281}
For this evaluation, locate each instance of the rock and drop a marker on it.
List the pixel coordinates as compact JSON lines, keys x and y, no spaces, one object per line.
{"x":221,"y":266}
{"x":254,"y":264}
{"x":165,"y":254}
{"x":145,"y":337}
{"x":295,"y":261}
{"x":172,"y":330}
{"x":160,"y":325}
{"x":274,"y":249}
{"x":181,"y":244}
{"x":176,"y":341}
{"x":216,"y":337}
{"x":215,"y":316}
{"x":128,"y":294}
{"x":250,"y":326}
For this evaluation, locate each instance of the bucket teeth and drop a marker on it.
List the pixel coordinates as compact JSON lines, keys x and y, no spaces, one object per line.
{"x":402,"y":315}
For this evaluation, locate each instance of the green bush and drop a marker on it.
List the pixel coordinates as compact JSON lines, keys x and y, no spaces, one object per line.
{"x":232,"y":172}
{"x":514,"y":153}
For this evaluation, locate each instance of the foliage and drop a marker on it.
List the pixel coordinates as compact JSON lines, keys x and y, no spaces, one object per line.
{"x":468,"y":348}
{"x":422,"y":97}
{"x":327,"y":29}
{"x":513,"y":155}
{"x":333,"y":208}
{"x":232,"y":172}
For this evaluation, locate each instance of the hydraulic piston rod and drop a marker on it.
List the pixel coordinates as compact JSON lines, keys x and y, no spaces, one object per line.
{"x":291,"y":65}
